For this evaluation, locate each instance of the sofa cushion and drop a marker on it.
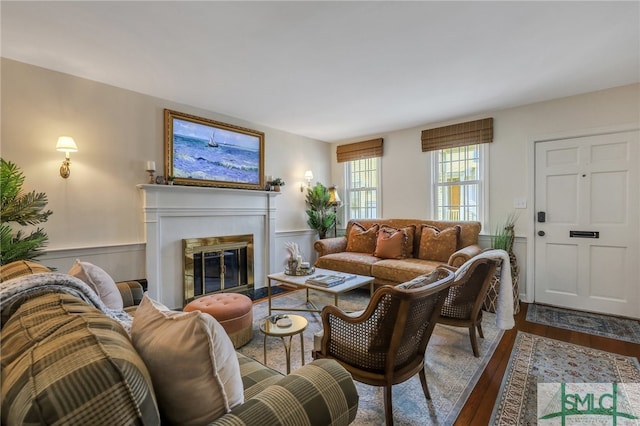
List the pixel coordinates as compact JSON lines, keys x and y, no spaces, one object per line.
{"x":101,"y":282}
{"x":438,"y":245}
{"x":353,"y":263}
{"x":192,"y":362}
{"x":65,"y":362}
{"x":401,"y":270}
{"x":361,"y":239}
{"x":21,"y":268}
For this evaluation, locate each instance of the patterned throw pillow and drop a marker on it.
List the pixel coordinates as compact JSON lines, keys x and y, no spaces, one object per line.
{"x":438,"y":245}
{"x":394,"y":243}
{"x":361,"y":239}
{"x":21,"y":268}
{"x":192,"y":362}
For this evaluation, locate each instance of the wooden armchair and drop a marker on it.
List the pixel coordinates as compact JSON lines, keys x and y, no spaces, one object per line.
{"x":386,"y":343}
{"x":463,"y":305}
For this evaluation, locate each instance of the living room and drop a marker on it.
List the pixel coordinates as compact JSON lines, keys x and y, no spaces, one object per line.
{"x":104,"y":73}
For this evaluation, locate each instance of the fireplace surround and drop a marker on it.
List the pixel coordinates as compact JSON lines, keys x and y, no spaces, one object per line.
{"x":173,"y":213}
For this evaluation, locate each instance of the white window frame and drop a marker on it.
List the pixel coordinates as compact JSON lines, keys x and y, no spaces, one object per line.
{"x":349,"y":189}
{"x":483,"y":183}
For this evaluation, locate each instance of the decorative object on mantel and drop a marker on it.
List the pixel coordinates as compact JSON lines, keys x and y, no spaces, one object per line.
{"x":503,"y":239}
{"x":203,"y":152}
{"x":319,"y":210}
{"x":170,"y":180}
{"x":151,"y":169}
{"x":276,"y":184}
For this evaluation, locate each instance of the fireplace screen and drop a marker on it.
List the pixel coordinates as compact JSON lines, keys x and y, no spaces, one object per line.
{"x":217,"y":264}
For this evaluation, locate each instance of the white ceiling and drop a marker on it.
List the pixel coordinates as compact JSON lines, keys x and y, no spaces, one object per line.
{"x":335,"y":70}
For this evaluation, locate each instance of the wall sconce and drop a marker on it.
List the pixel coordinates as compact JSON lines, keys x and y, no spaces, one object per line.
{"x":308,"y":176}
{"x":66,"y":144}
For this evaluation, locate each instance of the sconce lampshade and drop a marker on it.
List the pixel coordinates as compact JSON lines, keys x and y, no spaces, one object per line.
{"x":308,"y":176}
{"x":66,"y":144}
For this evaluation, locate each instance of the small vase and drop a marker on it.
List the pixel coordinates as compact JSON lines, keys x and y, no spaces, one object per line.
{"x":293,"y":265}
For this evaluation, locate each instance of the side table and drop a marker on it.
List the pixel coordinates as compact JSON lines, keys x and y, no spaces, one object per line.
{"x":269,"y":327}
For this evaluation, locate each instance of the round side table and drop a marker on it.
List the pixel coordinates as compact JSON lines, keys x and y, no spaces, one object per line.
{"x":271,"y":328}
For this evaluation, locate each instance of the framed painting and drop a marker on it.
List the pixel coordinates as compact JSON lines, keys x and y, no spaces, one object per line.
{"x":204,"y":152}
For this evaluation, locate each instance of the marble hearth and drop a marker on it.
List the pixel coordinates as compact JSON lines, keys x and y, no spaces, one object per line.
{"x":173,"y":213}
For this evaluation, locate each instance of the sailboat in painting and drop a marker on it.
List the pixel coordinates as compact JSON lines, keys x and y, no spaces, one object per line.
{"x":212,"y":141}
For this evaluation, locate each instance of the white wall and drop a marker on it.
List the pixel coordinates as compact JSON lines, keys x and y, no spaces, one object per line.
{"x":406,"y":170}
{"x":97,"y":210}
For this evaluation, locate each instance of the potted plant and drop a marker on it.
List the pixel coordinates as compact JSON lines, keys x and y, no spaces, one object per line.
{"x":276,"y":184}
{"x":19,"y":208}
{"x":170,"y":180}
{"x":319,"y":209}
{"x":502,"y":239}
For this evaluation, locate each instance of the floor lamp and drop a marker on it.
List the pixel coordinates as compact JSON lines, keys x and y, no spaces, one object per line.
{"x":335,"y":202}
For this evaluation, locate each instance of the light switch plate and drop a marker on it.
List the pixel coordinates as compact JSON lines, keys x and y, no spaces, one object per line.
{"x":520,"y":203}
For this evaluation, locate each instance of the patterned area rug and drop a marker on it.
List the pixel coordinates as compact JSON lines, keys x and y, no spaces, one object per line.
{"x":536,"y":359}
{"x":600,"y":325}
{"x":452,"y":370}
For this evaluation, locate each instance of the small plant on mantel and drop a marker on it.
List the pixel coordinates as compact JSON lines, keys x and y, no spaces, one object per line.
{"x":276,"y":184}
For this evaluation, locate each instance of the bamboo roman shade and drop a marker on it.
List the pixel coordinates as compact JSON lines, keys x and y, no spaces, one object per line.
{"x":462,"y":134}
{"x":359,"y":150}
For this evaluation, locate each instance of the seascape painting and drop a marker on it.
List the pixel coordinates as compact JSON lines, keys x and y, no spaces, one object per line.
{"x":206,"y":152}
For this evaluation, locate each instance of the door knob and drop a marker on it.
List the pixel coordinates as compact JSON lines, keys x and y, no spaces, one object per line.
{"x":541,"y":233}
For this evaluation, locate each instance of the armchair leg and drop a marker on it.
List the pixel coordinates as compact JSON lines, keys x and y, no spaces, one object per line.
{"x":388,"y":406}
{"x":425,"y":388}
{"x":474,"y":341}
{"x":480,"y":329}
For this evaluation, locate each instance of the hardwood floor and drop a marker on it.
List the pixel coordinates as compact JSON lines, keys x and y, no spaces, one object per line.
{"x":477,"y":410}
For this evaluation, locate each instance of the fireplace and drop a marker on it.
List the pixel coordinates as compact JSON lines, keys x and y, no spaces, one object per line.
{"x":217,"y":264}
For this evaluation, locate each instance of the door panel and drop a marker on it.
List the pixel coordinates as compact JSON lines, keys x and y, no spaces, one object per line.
{"x":589,"y":184}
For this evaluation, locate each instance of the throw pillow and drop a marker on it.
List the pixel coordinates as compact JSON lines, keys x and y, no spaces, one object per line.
{"x":391,"y":243}
{"x":192,"y":362}
{"x":394,"y":243}
{"x":96,"y":278}
{"x":21,"y":268}
{"x":438,"y":245}
{"x":361,"y":239}
{"x":420,"y":281}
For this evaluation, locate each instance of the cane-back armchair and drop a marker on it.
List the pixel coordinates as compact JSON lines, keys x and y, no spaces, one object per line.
{"x":463,"y":305}
{"x":386,"y":343}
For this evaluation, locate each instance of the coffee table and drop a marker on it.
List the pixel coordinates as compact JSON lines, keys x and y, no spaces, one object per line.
{"x":300,"y":281}
{"x":269,"y":327}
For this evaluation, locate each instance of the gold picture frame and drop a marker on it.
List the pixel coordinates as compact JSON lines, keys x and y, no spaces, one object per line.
{"x":204,"y":152}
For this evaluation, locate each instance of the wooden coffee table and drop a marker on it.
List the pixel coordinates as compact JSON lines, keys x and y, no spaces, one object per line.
{"x":300,"y":281}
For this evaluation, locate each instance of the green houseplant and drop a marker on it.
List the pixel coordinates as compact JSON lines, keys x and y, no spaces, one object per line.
{"x":20,"y":209}
{"x":319,"y":210}
{"x":276,"y":184}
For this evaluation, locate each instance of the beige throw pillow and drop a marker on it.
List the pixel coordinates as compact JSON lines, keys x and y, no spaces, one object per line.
{"x":96,"y":278}
{"x":193,"y":365}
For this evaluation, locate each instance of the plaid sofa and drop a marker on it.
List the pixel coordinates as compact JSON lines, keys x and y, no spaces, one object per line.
{"x":333,"y":254}
{"x":65,"y":362}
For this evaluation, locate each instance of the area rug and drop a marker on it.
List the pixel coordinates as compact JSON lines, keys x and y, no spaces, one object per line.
{"x":536,"y":359}
{"x":452,"y":370}
{"x":585,"y":322}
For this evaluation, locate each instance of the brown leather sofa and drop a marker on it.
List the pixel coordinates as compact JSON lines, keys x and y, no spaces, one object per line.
{"x":333,"y":253}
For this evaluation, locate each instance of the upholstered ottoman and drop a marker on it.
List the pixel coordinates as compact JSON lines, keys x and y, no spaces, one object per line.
{"x":233,"y":311}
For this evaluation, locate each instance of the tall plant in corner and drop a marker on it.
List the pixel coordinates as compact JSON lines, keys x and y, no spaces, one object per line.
{"x":319,"y":211}
{"x":20,"y":209}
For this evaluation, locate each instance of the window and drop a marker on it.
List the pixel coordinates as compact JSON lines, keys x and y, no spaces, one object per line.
{"x":362,"y":188}
{"x":457,"y":183}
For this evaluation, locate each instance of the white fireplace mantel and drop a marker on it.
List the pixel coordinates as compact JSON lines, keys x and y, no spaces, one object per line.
{"x":172,"y":213}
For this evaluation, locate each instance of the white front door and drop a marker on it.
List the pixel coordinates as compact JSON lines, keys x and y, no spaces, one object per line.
{"x":587,"y":199}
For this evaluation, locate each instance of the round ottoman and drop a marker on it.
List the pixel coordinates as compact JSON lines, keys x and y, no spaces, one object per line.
{"x":233,"y":311}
